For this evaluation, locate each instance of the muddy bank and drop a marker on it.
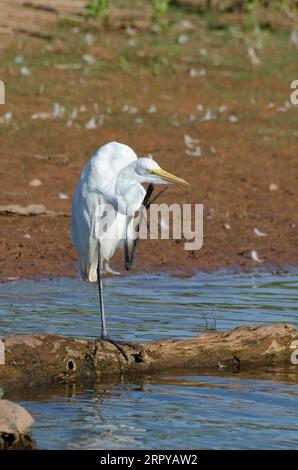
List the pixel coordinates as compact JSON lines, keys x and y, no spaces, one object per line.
{"x":149,"y":91}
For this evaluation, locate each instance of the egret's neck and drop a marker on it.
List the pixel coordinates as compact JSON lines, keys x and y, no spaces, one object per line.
{"x":129,"y":190}
{"x":127,"y":177}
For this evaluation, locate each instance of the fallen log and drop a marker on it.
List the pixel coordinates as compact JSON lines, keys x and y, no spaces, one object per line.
{"x":39,"y":358}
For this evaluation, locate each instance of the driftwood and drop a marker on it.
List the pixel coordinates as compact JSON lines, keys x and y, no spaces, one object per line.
{"x":32,"y":209}
{"x":39,"y":358}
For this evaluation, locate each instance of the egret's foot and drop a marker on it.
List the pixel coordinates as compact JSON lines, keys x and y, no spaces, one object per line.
{"x":116,"y":344}
{"x":131,"y":344}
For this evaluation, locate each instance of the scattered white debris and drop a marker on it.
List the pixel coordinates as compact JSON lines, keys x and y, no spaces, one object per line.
{"x":222,"y":108}
{"x":41,"y":116}
{"x":155,"y":28}
{"x":203,"y":52}
{"x":294,"y":38}
{"x":182,"y":38}
{"x":252,"y":56}
{"x":175,"y":122}
{"x":19,"y":59}
{"x":58,"y":111}
{"x":27,"y":235}
{"x":208,"y":116}
{"x":197,"y":73}
{"x":69,"y":123}
{"x":233,"y":119}
{"x":254,"y":256}
{"x":109,"y":110}
{"x":35,"y":183}
{"x":130,"y":109}
{"x":196,"y":152}
{"x":227,"y":226}
{"x":281,"y":109}
{"x":6,"y":117}
{"x":259,"y":233}
{"x":139,"y":120}
{"x":189,"y":141}
{"x":89,"y":59}
{"x":273,"y":187}
{"x":63,"y":196}
{"x":74,"y":114}
{"x":83,"y":108}
{"x":130,"y":31}
{"x":192,"y":146}
{"x":91,"y":124}
{"x":271,"y":105}
{"x":25,"y":71}
{"x":101,"y":120}
{"x":89,"y":39}
{"x":152,"y":109}
{"x":186,"y":24}
{"x":213,"y":150}
{"x":132,"y":42}
{"x":192,"y":118}
{"x":200,"y":107}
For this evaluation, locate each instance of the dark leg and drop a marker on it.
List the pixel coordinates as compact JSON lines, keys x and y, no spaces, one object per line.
{"x":129,"y":258}
{"x":100,"y":293}
{"x":104,"y":336}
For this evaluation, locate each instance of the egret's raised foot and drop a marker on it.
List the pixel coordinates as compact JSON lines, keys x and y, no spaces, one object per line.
{"x":116,"y":344}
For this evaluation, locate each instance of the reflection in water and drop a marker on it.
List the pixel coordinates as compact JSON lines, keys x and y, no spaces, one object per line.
{"x":185,"y":411}
{"x":242,"y":411}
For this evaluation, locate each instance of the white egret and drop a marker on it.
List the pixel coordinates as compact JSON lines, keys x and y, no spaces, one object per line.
{"x":105,"y":201}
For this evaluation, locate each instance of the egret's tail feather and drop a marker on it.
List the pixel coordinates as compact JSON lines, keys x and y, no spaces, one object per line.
{"x":87,"y":273}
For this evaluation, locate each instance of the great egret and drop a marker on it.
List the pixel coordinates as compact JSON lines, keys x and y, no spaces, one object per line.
{"x":110,"y":189}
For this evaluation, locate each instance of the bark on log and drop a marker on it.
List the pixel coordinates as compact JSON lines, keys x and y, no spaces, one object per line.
{"x":38,"y":358}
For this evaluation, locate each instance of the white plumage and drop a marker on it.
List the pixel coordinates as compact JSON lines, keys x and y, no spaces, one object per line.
{"x":96,"y":189}
{"x":105,"y":200}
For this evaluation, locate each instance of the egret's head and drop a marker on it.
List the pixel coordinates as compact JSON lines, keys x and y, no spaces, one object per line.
{"x":151,"y":172}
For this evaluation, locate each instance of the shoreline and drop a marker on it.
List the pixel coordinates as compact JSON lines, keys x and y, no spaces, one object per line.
{"x":274,"y":270}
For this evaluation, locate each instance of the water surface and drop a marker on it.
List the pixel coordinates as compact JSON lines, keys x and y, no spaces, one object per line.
{"x":202,"y":411}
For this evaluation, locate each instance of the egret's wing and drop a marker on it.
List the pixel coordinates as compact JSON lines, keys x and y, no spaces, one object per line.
{"x":102,"y":170}
{"x":85,"y":210}
{"x":90,"y":200}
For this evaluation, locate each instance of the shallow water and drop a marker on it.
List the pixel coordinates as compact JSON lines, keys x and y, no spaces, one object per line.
{"x":242,"y":411}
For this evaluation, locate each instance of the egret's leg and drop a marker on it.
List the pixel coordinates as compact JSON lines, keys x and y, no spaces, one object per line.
{"x":104,"y":335}
{"x":100,"y":293}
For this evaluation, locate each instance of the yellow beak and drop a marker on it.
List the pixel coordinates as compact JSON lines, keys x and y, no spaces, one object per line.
{"x":169,"y":177}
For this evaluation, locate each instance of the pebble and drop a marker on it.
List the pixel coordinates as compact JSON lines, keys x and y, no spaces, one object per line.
{"x":273,"y":187}
{"x":35,"y":183}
